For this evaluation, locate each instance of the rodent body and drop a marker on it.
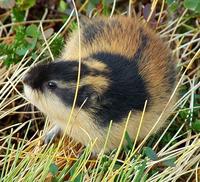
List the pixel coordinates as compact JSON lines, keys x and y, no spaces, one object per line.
{"x":123,"y":64}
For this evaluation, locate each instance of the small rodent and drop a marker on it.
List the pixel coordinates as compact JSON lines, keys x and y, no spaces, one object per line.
{"x":123,"y":64}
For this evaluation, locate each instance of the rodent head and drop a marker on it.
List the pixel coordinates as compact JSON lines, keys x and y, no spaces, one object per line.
{"x":52,"y":86}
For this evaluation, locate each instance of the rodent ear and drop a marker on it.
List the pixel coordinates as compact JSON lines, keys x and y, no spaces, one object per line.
{"x":87,"y":93}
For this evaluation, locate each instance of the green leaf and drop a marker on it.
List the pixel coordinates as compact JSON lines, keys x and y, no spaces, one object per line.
{"x":32,"y":31}
{"x":191,"y":4}
{"x":34,"y":56}
{"x":95,"y":2}
{"x":198,"y":7}
{"x":62,"y":6}
{"x":53,"y":169}
{"x":170,"y":162}
{"x":139,"y":172}
{"x":196,"y":125}
{"x":24,"y":4}
{"x":169,"y":1}
{"x":21,"y":51}
{"x":55,"y":179}
{"x":183,"y":114}
{"x":17,"y":15}
{"x":105,"y":8}
{"x":32,"y":44}
{"x":73,"y":26}
{"x":19,"y":37}
{"x":173,"y":7}
{"x":74,"y":168}
{"x":57,"y":45}
{"x":150,"y":153}
{"x":79,"y":178}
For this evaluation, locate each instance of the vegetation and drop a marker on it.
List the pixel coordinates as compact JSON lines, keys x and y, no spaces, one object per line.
{"x":34,"y":31}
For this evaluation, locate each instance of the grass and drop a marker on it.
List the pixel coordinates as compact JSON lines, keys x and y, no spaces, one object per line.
{"x":172,"y":155}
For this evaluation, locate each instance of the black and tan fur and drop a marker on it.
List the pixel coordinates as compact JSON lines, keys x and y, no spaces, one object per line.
{"x":123,"y":64}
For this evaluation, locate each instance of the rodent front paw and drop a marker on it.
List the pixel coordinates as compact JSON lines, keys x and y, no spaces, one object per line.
{"x":52,"y":134}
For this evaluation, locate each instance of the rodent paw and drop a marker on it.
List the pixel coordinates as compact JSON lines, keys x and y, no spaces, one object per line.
{"x":51,"y":135}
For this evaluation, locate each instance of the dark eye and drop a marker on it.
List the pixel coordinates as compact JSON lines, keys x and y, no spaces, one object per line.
{"x":51,"y":85}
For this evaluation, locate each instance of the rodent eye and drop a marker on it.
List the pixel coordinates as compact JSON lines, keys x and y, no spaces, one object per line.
{"x":51,"y":85}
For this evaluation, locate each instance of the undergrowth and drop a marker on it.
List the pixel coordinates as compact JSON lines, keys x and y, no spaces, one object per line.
{"x":27,"y":40}
{"x":32,"y":32}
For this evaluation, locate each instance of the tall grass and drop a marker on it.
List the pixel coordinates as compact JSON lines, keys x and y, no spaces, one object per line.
{"x":173,"y":155}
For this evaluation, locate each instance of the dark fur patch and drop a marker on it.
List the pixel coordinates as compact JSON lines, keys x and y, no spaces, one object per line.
{"x":85,"y":93}
{"x":88,"y":90}
{"x":63,"y":71}
{"x":66,"y":95}
{"x":115,"y":24}
{"x":91,"y":31}
{"x":141,"y":48}
{"x":127,"y":91}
